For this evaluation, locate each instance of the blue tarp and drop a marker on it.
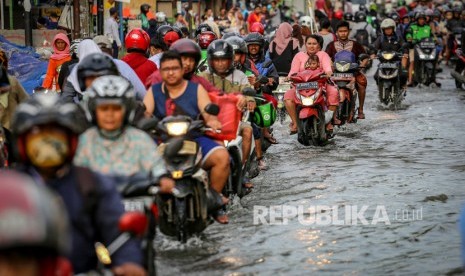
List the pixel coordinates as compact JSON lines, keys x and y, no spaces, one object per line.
{"x":25,"y":64}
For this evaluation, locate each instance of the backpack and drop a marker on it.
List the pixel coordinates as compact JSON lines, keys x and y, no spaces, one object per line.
{"x":361,"y":36}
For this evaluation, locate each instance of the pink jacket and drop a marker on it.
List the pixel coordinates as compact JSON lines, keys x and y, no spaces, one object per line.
{"x":298,"y":63}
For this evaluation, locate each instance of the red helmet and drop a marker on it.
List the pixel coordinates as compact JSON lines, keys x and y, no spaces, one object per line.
{"x":137,"y":39}
{"x":170,"y":37}
{"x":257,"y":27}
{"x":338,"y":14}
{"x":205,"y":38}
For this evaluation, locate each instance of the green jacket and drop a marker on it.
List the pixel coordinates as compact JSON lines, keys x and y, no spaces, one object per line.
{"x":416,"y":33}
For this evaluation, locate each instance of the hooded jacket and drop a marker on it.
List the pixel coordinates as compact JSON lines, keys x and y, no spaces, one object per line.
{"x":140,"y":64}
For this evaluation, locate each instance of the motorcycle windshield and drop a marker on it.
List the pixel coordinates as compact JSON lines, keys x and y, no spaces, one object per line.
{"x":306,"y":76}
{"x":344,"y":55}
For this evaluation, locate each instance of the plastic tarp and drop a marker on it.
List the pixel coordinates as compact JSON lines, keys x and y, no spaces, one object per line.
{"x":25,"y":64}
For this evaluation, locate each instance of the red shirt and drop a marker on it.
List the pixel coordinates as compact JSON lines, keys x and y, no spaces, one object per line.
{"x":140,"y":64}
{"x":253,"y":17}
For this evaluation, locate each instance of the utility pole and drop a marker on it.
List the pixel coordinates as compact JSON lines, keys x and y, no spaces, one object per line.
{"x":27,"y":22}
{"x":100,"y":11}
{"x":76,"y":19}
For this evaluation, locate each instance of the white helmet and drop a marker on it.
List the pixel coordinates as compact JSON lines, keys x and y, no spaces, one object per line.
{"x":388,"y":23}
{"x":305,"y":21}
{"x":161,"y":17}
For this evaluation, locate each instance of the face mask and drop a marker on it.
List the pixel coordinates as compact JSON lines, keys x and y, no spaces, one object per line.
{"x":47,"y":148}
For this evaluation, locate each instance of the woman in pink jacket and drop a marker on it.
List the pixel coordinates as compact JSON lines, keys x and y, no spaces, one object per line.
{"x":313,"y":44}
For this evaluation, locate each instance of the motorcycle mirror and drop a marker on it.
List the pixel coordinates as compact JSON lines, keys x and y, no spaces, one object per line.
{"x":363,"y":57}
{"x":249,"y":92}
{"x":212,"y":109}
{"x":135,"y":187}
{"x":262,"y":79}
{"x":133,"y":222}
{"x":173,"y":147}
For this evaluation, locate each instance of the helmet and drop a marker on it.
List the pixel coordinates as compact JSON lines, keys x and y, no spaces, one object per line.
{"x":178,"y":31}
{"x":187,"y":47}
{"x":457,"y":9}
{"x":203,"y":28}
{"x":230,"y":34}
{"x":144,"y":8}
{"x":420,"y":15}
{"x":360,"y":16}
{"x":205,"y":39}
{"x":96,"y":64}
{"x":111,"y":89}
{"x":429,"y":12}
{"x":394,"y":16}
{"x":238,"y":44}
{"x":411,"y":14}
{"x":348,"y":16}
{"x":257,"y":27}
{"x":137,"y":40}
{"x":437,"y":13}
{"x":31,"y":217}
{"x":305,"y":21}
{"x":46,"y":109}
{"x":73,"y":49}
{"x":362,"y":8}
{"x":220,"y":49}
{"x":388,"y":23}
{"x":166,"y":36}
{"x":170,"y":37}
{"x":254,"y":38}
{"x":161,"y":17}
{"x":338,"y":14}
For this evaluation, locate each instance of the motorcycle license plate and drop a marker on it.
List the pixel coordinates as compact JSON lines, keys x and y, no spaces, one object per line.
{"x":388,"y":65}
{"x":343,"y":75}
{"x":307,"y":85}
{"x":427,"y":45}
{"x":134,"y":205}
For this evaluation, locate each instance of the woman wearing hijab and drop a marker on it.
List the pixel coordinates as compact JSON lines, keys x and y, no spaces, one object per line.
{"x":60,"y":55}
{"x":283,"y":48}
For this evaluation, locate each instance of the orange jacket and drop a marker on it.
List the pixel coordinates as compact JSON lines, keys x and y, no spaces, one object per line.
{"x":53,"y":71}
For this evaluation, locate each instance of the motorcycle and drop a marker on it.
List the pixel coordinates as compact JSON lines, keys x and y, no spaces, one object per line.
{"x":457,"y":44}
{"x":188,"y":211}
{"x":425,"y":62}
{"x":343,"y":79}
{"x":311,"y":107}
{"x":283,"y":86}
{"x":459,"y":72}
{"x":389,"y":85}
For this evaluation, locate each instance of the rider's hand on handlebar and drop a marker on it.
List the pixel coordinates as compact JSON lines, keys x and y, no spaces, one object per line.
{"x":251,"y":106}
{"x":252,"y":80}
{"x":129,"y":269}
{"x":166,"y":185}
{"x":214,"y":123}
{"x":241,"y":103}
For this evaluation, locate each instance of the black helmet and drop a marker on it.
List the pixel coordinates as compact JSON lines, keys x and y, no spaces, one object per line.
{"x":348,"y":16}
{"x":187,"y":47}
{"x":220,"y":49}
{"x":32,"y":218}
{"x":161,"y":33}
{"x":238,"y":44}
{"x":419,"y":15}
{"x":144,"y":8}
{"x":230,"y":34}
{"x":360,"y":16}
{"x":255,"y":38}
{"x":202,"y":28}
{"x":96,"y":64}
{"x":46,"y":109}
{"x":394,"y":16}
{"x":457,"y":9}
{"x":112,"y":89}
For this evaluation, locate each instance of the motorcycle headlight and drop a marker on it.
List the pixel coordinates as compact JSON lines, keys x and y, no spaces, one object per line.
{"x":342,"y":67}
{"x":177,"y":128}
{"x":388,"y":55}
{"x":309,"y":101}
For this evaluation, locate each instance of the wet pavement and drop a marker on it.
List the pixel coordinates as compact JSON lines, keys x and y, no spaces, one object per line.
{"x":405,"y":167}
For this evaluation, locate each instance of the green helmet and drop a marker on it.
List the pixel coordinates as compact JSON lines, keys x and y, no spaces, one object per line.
{"x":265,"y":115}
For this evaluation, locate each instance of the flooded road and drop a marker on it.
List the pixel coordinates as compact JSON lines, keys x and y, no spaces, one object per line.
{"x":405,"y":167}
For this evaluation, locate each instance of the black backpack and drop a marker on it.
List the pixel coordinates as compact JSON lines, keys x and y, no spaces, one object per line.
{"x":361,"y":36}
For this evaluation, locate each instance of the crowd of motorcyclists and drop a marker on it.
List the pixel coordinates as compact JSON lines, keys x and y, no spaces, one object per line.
{"x":82,"y":134}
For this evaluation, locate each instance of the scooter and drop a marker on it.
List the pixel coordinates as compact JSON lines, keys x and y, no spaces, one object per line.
{"x":425,"y":62}
{"x":389,"y":85}
{"x":311,"y":107}
{"x":283,"y":86}
{"x":187,"y":212}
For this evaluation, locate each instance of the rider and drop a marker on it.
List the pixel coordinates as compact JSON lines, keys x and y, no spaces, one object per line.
{"x":362,"y":25}
{"x":415,"y":33}
{"x":343,"y":43}
{"x":113,"y":147}
{"x":190,"y":99}
{"x":204,"y":40}
{"x":33,"y":229}
{"x":137,"y":42}
{"x":165,"y":36}
{"x":225,"y":77}
{"x":390,"y":41}
{"x":46,"y":134}
{"x":144,"y":9}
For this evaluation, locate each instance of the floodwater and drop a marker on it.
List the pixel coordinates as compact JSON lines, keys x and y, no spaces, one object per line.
{"x":405,"y":167}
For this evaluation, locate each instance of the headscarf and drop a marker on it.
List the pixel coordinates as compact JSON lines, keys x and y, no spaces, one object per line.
{"x":57,"y":55}
{"x":85,"y":48}
{"x":282,"y":39}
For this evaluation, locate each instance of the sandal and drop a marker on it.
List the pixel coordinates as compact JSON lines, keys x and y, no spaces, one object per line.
{"x":221,"y":216}
{"x":293,"y":129}
{"x":360,"y":115}
{"x":271,"y":139}
{"x":247,"y":185}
